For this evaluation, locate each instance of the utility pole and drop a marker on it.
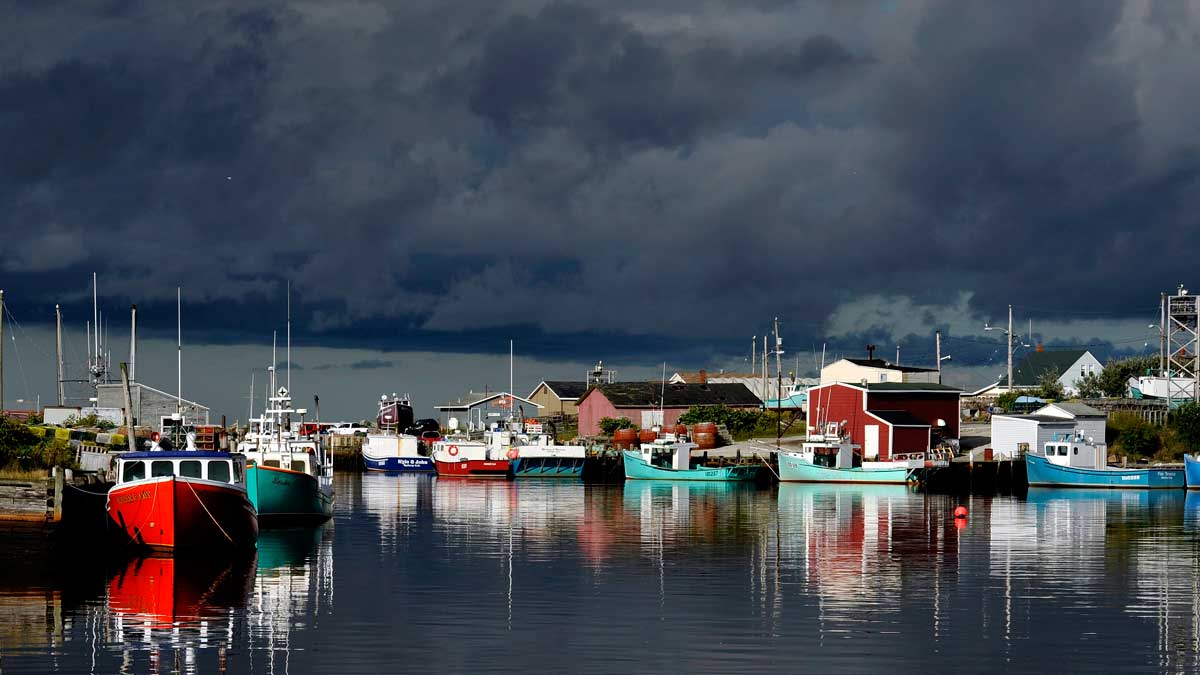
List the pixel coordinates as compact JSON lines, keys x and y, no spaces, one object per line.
{"x":58,"y":353}
{"x":129,"y":420}
{"x":897,"y":355}
{"x":753,"y":353}
{"x":133,"y":343}
{"x":765,"y":387}
{"x":1009,"y":337}
{"x":937,"y":336}
{"x":1162,"y":335}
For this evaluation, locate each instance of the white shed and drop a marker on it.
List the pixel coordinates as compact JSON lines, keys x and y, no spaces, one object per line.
{"x":1015,"y":434}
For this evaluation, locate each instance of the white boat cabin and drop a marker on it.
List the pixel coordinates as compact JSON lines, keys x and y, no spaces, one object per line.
{"x":1076,"y":452}
{"x":217,"y":467}
{"x":274,"y":441}
{"x":667,"y":452}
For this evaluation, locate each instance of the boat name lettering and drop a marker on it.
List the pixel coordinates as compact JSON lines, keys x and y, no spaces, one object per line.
{"x":1129,"y":477}
{"x":275,"y":480}
{"x":125,"y":499}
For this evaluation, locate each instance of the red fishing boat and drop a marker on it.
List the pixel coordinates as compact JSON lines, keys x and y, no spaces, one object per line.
{"x":180,"y":499}
{"x":468,"y":459}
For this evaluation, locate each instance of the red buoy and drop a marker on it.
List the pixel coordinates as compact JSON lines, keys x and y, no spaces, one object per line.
{"x":960,"y":512}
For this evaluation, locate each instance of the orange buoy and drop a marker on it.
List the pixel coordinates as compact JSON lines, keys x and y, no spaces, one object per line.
{"x":512,"y":453}
{"x":960,"y":512}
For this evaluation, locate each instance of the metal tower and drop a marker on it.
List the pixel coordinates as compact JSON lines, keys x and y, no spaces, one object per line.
{"x":1183,"y":346}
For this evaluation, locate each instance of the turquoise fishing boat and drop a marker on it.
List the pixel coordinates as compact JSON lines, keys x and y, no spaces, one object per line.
{"x":1080,"y":463}
{"x":793,"y":467}
{"x":666,"y":459}
{"x":833,"y":458}
{"x":289,"y":475}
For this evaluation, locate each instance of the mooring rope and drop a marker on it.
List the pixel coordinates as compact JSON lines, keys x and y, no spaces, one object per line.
{"x":772,"y":469}
{"x":210,"y":515}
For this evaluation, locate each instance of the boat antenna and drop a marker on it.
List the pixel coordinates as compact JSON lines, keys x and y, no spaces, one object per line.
{"x":251,"y":398}
{"x":179,"y":349}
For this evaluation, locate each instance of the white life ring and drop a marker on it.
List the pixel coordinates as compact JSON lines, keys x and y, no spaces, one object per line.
{"x":453,"y":451}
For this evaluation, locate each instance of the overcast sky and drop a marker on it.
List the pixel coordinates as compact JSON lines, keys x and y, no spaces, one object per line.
{"x":632,"y":181}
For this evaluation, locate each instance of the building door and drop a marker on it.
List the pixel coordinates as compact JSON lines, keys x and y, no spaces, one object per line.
{"x":871,"y":442}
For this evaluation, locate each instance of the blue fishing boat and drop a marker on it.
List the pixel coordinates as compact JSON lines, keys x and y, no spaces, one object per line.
{"x":1080,"y":463}
{"x":547,"y":467}
{"x":533,"y":452}
{"x":667,"y":459}
{"x":1191,"y":470}
{"x":391,"y":449}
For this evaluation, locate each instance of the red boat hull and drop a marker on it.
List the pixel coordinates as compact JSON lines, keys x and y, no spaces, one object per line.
{"x":473,"y":468}
{"x":176,"y":513}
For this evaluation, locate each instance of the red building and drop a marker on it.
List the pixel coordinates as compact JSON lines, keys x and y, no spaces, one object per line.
{"x":887,"y":418}
{"x":641,"y":402}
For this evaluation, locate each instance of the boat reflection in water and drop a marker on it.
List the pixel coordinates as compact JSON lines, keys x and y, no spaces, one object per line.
{"x":294,"y":588}
{"x":178,"y":614}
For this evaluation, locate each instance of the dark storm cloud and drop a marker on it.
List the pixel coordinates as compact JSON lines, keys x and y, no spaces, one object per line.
{"x":372,"y":364}
{"x":658,"y":175}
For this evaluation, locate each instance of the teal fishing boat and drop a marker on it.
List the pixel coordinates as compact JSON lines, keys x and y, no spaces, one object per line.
{"x":666,"y":459}
{"x":289,"y":476}
{"x":833,"y":458}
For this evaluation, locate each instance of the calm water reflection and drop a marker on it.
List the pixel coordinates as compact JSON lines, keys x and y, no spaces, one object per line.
{"x":473,"y":576}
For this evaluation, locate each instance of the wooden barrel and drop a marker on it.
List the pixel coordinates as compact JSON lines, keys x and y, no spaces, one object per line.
{"x":624,"y":439}
{"x":704,"y":440}
{"x":681,"y":430}
{"x":704,"y":428}
{"x":647,"y":436}
{"x":987,"y":454}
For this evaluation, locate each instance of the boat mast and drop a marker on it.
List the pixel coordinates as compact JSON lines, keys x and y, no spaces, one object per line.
{"x":511,"y":403}
{"x":133,"y":343}
{"x":289,"y":336}
{"x":249,"y":420}
{"x":179,"y":351}
{"x":1,"y":353}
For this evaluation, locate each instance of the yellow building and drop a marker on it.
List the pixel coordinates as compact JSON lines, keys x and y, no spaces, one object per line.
{"x":558,"y":397}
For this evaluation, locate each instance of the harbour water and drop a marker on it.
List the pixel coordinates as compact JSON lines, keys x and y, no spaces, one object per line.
{"x":459,"y":576}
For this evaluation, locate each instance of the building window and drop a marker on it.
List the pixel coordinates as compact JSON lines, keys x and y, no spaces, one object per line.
{"x":298,"y":466}
{"x":1075,"y":450}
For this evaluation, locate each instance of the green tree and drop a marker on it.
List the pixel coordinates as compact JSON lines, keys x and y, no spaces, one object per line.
{"x":1132,"y":435}
{"x":1185,"y":422}
{"x":1048,"y":385}
{"x":610,"y":424}
{"x":1008,"y":400}
{"x":1114,"y":378}
{"x":1089,"y":386}
{"x":737,"y":421}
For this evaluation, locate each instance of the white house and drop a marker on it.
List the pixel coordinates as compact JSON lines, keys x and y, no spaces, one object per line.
{"x":1068,"y":365}
{"x":875,"y":371}
{"x":1015,"y":434}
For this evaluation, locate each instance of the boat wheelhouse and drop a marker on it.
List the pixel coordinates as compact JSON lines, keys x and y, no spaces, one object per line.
{"x":176,"y":499}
